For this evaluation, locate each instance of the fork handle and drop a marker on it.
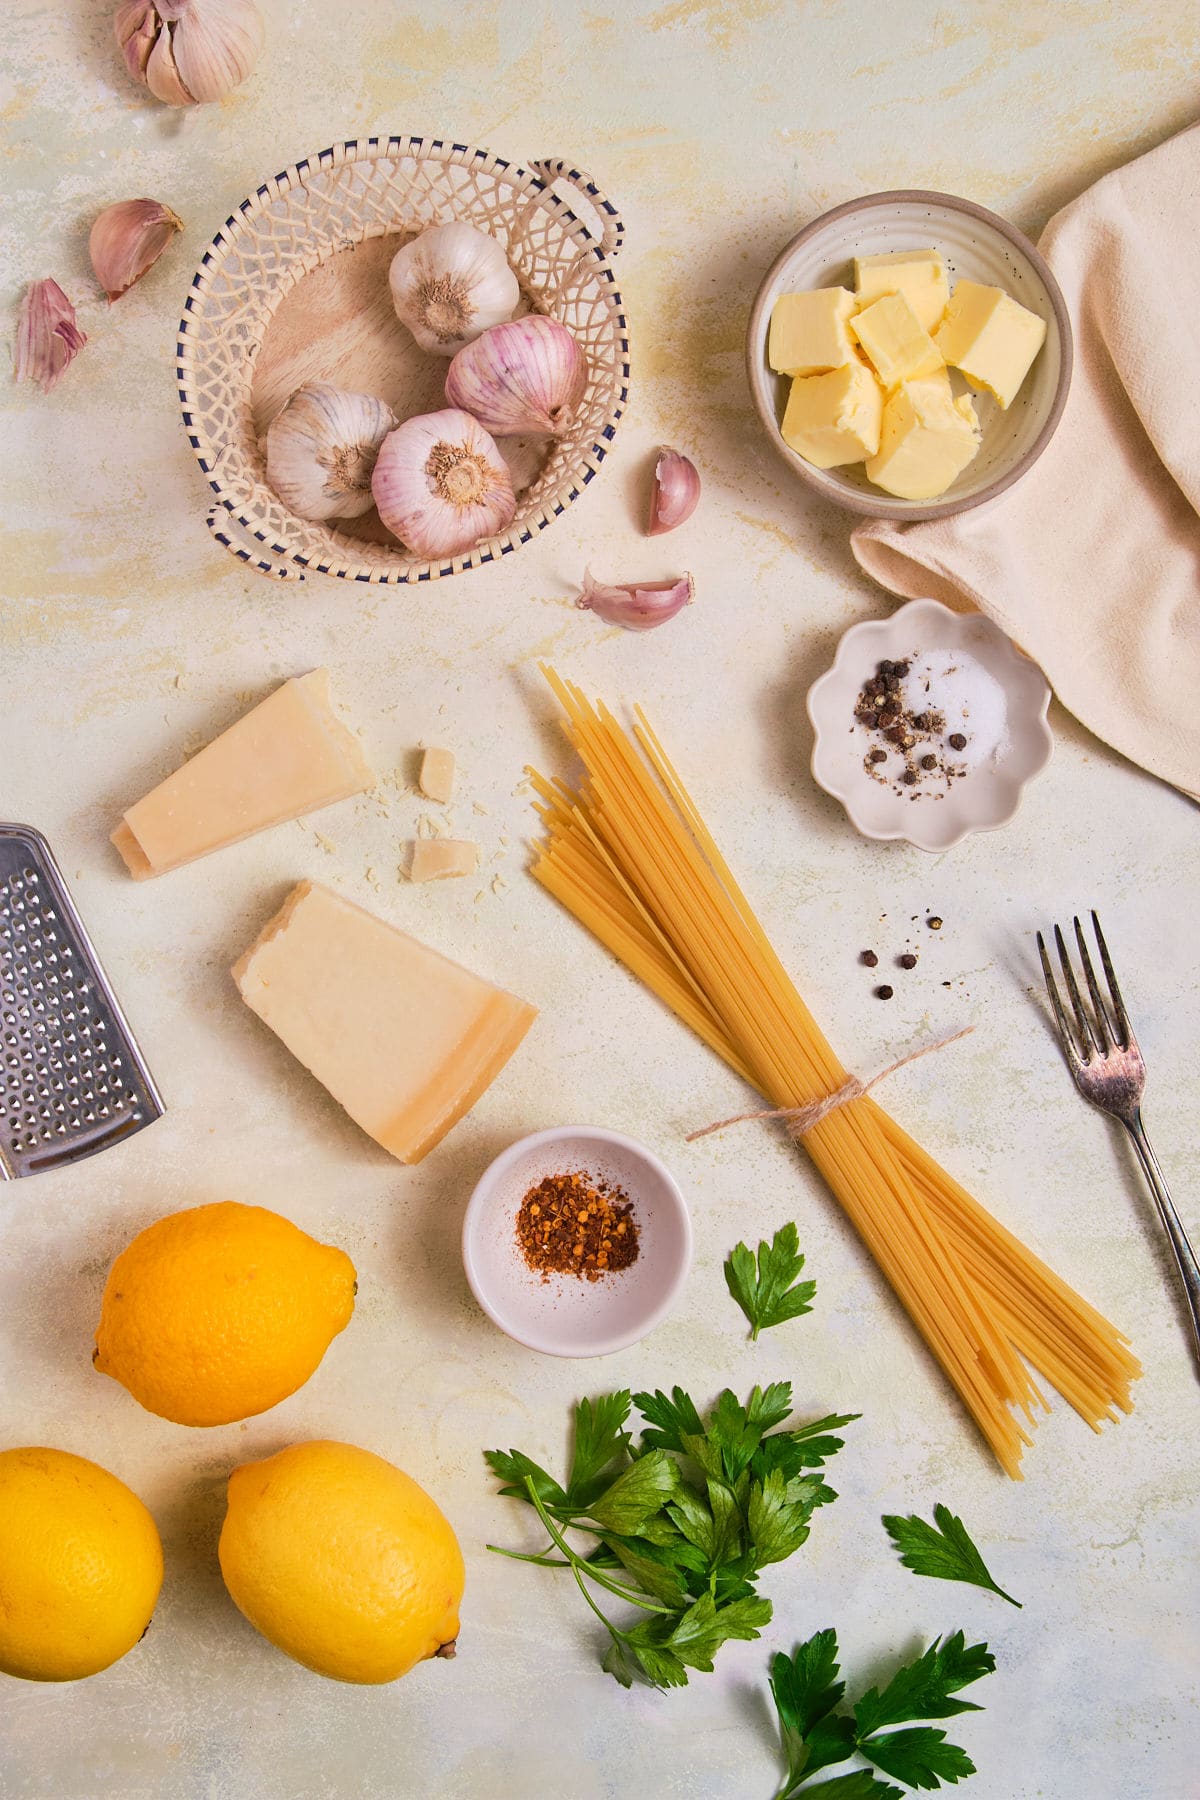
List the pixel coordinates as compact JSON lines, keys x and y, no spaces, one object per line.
{"x":1185,"y":1256}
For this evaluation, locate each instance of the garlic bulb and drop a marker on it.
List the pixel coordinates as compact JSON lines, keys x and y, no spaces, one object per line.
{"x":450,"y":284}
{"x":321,"y":451}
{"x":48,"y":339}
{"x":441,"y":484}
{"x":127,"y":239}
{"x":528,"y":375}
{"x":634,"y":606}
{"x":186,"y":51}
{"x":676,"y":492}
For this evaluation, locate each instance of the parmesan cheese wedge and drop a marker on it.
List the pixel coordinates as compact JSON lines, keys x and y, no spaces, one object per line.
{"x":436,"y":779}
{"x":288,"y":756}
{"x":405,"y":1040}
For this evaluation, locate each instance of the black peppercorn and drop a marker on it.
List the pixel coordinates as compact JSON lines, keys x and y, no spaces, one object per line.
{"x":877,"y":756}
{"x":883,"y":993}
{"x":929,"y":762}
{"x":907,"y":961}
{"x":957,"y":741}
{"x":934,"y":924}
{"x":909,"y":778}
{"x":870,"y":958}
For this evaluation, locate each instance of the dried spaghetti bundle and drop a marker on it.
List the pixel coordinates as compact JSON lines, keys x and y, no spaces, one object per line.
{"x":630,"y":856}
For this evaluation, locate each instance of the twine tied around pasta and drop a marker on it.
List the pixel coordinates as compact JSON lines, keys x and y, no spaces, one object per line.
{"x":799,"y":1120}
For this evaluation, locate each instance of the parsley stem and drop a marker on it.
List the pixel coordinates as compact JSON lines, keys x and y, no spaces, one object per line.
{"x":543,"y":1561}
{"x":577,"y":1565}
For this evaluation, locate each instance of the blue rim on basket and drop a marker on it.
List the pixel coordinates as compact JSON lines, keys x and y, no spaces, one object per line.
{"x":540,"y":177}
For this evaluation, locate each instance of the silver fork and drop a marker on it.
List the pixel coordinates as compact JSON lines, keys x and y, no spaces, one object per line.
{"x":1107,"y":1068}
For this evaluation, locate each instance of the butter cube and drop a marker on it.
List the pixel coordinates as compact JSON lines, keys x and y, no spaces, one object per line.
{"x":808,"y":331}
{"x":991,"y":338}
{"x":897,"y":343}
{"x":920,"y":275}
{"x":834,"y":418}
{"x":927,"y":440}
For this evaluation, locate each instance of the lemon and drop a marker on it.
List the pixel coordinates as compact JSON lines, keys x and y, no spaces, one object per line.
{"x":80,"y":1566}
{"x":342,"y":1561}
{"x":216,"y":1313}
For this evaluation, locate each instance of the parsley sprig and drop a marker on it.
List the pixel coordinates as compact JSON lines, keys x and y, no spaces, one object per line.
{"x":944,"y":1550}
{"x":683,"y":1520}
{"x":818,"y":1731}
{"x":764,"y":1289}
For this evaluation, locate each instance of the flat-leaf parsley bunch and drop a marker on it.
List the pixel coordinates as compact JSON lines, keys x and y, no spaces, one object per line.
{"x":682,"y":1521}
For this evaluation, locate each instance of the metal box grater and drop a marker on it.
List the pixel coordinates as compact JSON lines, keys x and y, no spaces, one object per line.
{"x":72,"y":1079}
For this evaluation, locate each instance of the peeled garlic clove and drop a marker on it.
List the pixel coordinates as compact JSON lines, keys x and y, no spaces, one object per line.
{"x":441,"y":484}
{"x":321,"y":451}
{"x":189,"y":50}
{"x":127,"y":239}
{"x":48,"y":339}
{"x":676,"y":492}
{"x":451,"y":283}
{"x":634,"y":606}
{"x":528,"y":375}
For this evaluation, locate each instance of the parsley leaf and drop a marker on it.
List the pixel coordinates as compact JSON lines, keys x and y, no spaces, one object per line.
{"x":671,"y":1420}
{"x":636,"y":1494}
{"x":923,"y":1689}
{"x":765,"y":1290}
{"x":816,"y":1731}
{"x":600,"y":1437}
{"x":513,"y":1466}
{"x":944,"y":1550}
{"x":921,"y":1757}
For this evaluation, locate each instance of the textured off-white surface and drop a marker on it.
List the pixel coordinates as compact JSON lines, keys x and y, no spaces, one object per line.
{"x":125,"y":636}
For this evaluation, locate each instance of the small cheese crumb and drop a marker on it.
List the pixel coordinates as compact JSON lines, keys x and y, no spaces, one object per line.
{"x":481,"y":809}
{"x":327,"y":844}
{"x":499,"y":885}
{"x":448,"y":856}
{"x":424,"y":826}
{"x":436,"y":777}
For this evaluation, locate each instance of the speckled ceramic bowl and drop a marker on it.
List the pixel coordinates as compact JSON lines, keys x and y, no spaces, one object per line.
{"x":975,"y":243}
{"x":941,"y":812}
{"x":561,"y":1314}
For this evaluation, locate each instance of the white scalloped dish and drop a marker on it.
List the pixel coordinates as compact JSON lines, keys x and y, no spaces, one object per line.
{"x":969,"y":683}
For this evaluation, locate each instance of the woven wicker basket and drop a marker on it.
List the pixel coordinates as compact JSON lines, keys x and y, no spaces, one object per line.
{"x":294,"y":289}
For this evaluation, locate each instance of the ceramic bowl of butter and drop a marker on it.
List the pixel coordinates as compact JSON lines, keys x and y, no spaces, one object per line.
{"x":577,"y":1241}
{"x":909,"y":355}
{"x":929,"y":725}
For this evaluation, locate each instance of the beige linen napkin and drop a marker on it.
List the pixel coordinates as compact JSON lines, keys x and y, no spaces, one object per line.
{"x":1092,"y":561}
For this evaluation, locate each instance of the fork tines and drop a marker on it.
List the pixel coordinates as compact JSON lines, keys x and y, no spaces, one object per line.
{"x":1106,"y":1025}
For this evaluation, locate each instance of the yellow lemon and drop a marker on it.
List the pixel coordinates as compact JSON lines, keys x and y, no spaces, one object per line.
{"x":220,"y":1312}
{"x":342,"y":1561}
{"x":80,"y":1566}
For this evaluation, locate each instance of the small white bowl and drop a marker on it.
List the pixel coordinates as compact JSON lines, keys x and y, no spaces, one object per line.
{"x":975,"y":244}
{"x":932,"y":816}
{"x":565,"y":1315}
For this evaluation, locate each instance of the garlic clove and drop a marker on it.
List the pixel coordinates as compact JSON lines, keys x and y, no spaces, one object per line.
{"x":48,"y":339}
{"x":676,"y":492}
{"x":136,"y":26}
{"x":528,"y":375}
{"x":162,"y":76}
{"x":451,"y":283}
{"x":126,"y":239}
{"x":321,"y":451}
{"x":636,"y":606}
{"x":216,"y":43}
{"x":441,"y":485}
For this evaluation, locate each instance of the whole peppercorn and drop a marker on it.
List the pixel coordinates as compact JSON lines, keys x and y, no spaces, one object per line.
{"x":870,"y":959}
{"x":907,"y":961}
{"x":884,"y":992}
{"x":934,"y":924}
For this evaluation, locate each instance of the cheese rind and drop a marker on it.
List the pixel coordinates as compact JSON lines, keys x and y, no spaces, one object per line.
{"x":835,"y":418}
{"x":928,"y":439}
{"x":808,"y":333}
{"x":920,"y":275}
{"x":288,"y":756}
{"x":899,"y":347}
{"x":991,"y":337}
{"x":404,"y":1039}
{"x":436,"y":777}
{"x":433,"y":859}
